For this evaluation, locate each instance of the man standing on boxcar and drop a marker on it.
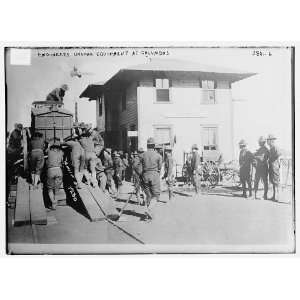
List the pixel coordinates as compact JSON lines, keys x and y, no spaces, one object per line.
{"x":245,"y":161}
{"x":58,"y":93}
{"x":274,"y":166}
{"x":261,"y":157}
{"x":151,"y":163}
{"x":195,"y":164}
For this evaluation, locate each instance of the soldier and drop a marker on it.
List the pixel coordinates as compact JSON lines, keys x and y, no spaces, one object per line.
{"x":58,"y":93}
{"x":36,"y":157}
{"x":169,"y":171}
{"x":86,"y":142}
{"x":245,"y":161}
{"x":97,"y":138}
{"x":274,"y":166}
{"x":261,"y":157}
{"x":195,"y":164}
{"x":78,"y":159}
{"x":136,"y":175}
{"x":151,"y":166}
{"x":54,"y":171}
{"x":118,"y":168}
{"x":107,"y":162}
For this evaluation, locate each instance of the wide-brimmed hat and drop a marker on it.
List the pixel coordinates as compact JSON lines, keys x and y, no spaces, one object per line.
{"x":242,"y":142}
{"x":135,"y":153}
{"x":168,"y":148}
{"x":262,"y":139}
{"x":151,"y":141}
{"x":271,"y":137}
{"x":195,"y":146}
{"x":140,"y":150}
{"x":64,"y":87}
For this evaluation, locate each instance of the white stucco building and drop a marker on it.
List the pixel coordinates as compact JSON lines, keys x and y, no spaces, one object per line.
{"x":176,"y":102}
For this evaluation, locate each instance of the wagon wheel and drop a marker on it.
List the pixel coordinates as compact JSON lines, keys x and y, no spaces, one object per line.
{"x":213,"y":177}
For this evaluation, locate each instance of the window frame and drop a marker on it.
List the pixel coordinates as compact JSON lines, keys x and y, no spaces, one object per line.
{"x":207,"y":127}
{"x":162,"y":88}
{"x":164,"y":126}
{"x":206,"y":91}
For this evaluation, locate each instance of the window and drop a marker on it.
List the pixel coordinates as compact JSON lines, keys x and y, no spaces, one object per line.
{"x":100,"y":106}
{"x":124,"y":101}
{"x":162,"y":135}
{"x":209,"y":96}
{"x":162,"y":90}
{"x":210,"y":136}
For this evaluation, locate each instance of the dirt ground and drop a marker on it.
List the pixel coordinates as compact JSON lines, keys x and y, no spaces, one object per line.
{"x":218,"y":220}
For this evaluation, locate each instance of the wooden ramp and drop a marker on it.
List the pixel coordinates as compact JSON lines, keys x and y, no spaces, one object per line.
{"x":104,"y":201}
{"x":93,"y":210}
{"x":38,"y":213}
{"x":22,"y":210}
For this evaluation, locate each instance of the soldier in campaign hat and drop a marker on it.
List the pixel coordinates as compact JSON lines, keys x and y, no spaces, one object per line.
{"x":195,"y":164}
{"x":58,"y":93}
{"x":169,"y":175}
{"x":245,"y":161}
{"x":274,"y":166}
{"x":151,"y":163}
{"x":261,"y":157}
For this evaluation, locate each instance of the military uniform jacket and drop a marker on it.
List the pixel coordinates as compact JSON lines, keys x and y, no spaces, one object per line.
{"x":262,"y":157}
{"x":274,"y":157}
{"x":151,"y":161}
{"x":245,"y":160}
{"x":195,"y":161}
{"x":169,"y":163}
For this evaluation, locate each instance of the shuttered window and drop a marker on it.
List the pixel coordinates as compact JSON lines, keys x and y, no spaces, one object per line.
{"x":209,"y":96}
{"x":124,"y":101}
{"x":162,"y":90}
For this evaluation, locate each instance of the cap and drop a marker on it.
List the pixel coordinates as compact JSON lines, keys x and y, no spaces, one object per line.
{"x":64,"y":87}
{"x":262,"y":139}
{"x":140,"y":150}
{"x":135,"y":153}
{"x":195,"y":147}
{"x":150,"y":141}
{"x":242,"y":142}
{"x":19,"y":126}
{"x":168,"y":148}
{"x":271,"y":137}
{"x":158,"y":146}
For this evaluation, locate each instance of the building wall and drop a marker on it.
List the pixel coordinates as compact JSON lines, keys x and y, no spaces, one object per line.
{"x":185,"y":115}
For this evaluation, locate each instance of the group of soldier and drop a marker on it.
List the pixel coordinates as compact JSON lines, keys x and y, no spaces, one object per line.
{"x":93,"y":164}
{"x":267,"y":167}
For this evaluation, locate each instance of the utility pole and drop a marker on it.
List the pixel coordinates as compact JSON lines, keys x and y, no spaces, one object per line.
{"x":76,"y":111}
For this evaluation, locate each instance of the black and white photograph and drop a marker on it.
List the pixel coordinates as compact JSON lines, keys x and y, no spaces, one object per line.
{"x":125,"y":150}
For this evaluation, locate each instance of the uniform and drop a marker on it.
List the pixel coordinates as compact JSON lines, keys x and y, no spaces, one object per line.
{"x":118,"y":169}
{"x":274,"y":166}
{"x":89,"y":157}
{"x":37,"y":158}
{"x":169,"y":175}
{"x":54,"y":171}
{"x":261,"y":158}
{"x":57,"y":94}
{"x":245,"y":161}
{"x":151,"y":163}
{"x":136,"y":175}
{"x":78,"y":159}
{"x":100,"y":174}
{"x":14,"y":148}
{"x":195,"y":163}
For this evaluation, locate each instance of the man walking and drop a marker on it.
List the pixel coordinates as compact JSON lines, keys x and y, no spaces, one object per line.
{"x":261,"y":157}
{"x":274,"y":166}
{"x":151,"y":163}
{"x":245,"y":160}
{"x":195,"y":164}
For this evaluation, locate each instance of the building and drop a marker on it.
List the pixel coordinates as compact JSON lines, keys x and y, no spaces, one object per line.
{"x":174,"y":101}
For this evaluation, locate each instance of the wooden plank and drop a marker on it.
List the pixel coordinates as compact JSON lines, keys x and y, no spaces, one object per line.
{"x":60,"y":195}
{"x":38,"y":213}
{"x":22,"y":211}
{"x":104,"y":201}
{"x":90,"y":204}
